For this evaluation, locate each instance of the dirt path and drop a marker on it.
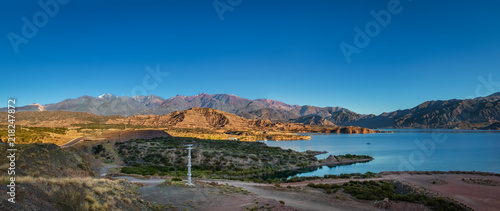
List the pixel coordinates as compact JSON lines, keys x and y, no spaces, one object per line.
{"x":295,"y":184}
{"x":302,"y":200}
{"x":72,"y":142}
{"x":201,"y":197}
{"x":148,"y":182}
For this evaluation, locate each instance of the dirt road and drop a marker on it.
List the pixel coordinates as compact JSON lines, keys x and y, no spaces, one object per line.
{"x":72,"y":142}
{"x":299,"y":198}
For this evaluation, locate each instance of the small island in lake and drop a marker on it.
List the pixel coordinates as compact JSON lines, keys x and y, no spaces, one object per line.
{"x":337,"y":160}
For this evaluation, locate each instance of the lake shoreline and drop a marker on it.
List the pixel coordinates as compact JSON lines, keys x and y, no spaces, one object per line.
{"x":461,"y":150}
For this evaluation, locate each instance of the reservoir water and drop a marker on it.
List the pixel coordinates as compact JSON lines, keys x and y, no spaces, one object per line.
{"x":406,"y":149}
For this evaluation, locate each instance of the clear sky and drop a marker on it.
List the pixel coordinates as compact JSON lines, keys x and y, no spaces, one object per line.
{"x":282,"y":50}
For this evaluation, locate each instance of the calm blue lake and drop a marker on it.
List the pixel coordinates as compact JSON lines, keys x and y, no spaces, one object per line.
{"x":407,"y":149}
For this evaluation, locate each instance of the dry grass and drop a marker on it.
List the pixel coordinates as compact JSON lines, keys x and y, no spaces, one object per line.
{"x":101,"y":190}
{"x":76,"y":172}
{"x":85,"y":193}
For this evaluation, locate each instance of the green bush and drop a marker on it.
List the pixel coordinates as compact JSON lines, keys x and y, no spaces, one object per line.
{"x":167,"y":156}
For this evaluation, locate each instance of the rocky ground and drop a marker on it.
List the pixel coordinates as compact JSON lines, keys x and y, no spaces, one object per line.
{"x":207,"y":196}
{"x":298,"y":196}
{"x":238,"y":195}
{"x":476,"y":196}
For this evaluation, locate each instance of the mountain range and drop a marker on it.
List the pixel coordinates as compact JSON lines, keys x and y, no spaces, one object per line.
{"x":476,"y":113}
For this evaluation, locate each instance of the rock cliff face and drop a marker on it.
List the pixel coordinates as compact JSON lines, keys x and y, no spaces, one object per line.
{"x":191,"y":118}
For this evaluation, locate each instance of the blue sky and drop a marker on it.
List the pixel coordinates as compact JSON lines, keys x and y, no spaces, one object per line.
{"x":281,"y":50}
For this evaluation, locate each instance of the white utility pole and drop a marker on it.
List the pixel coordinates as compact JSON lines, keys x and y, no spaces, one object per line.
{"x":190,"y":147}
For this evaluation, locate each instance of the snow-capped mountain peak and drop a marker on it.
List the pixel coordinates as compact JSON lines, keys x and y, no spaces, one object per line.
{"x":107,"y":96}
{"x":40,"y":107}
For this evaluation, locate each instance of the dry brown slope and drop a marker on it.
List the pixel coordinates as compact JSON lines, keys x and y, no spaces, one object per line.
{"x":132,"y":134}
{"x":213,"y":119}
{"x":191,"y":118}
{"x":205,"y":118}
{"x":56,"y":118}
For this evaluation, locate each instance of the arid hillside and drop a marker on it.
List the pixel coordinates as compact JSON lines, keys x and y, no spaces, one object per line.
{"x":56,"y":118}
{"x":205,"y":118}
{"x":213,"y":119}
{"x":60,"y":127}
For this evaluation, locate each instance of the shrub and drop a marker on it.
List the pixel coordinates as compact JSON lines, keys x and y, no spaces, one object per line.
{"x":70,"y":200}
{"x":176,"y":179}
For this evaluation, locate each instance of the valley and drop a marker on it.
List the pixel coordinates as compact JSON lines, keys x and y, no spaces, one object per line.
{"x":83,"y":161}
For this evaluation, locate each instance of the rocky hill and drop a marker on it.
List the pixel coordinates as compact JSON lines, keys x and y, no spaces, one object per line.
{"x":213,"y":119}
{"x":50,"y":160}
{"x":191,"y":118}
{"x":51,"y":178}
{"x":195,"y":118}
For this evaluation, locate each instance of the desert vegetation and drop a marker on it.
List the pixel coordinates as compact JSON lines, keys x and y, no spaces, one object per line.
{"x":380,"y":190}
{"x":49,"y":160}
{"x":221,"y":158}
{"x":26,"y":135}
{"x":242,"y":135}
{"x":75,"y":193}
{"x":214,"y":158}
{"x":286,"y":179}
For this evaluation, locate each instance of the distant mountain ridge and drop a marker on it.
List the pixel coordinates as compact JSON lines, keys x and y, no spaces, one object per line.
{"x":108,"y":104}
{"x":479,"y":112}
